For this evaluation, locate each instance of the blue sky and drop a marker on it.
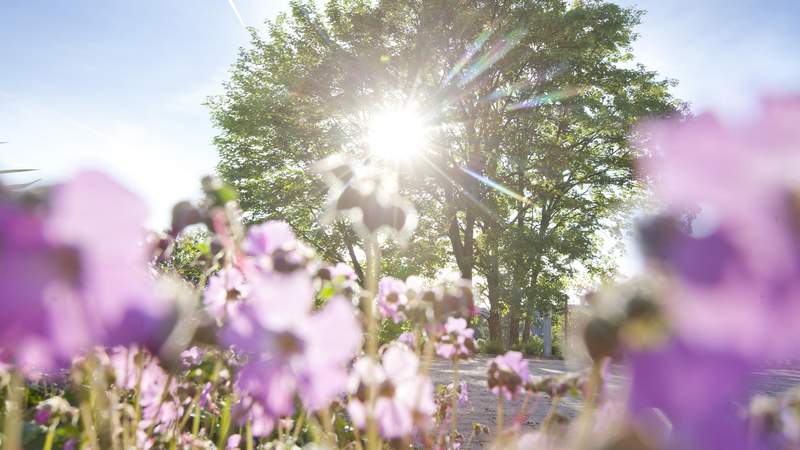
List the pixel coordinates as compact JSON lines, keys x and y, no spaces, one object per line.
{"x":118,"y":85}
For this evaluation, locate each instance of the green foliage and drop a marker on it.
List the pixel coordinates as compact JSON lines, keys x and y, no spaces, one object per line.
{"x":533,"y":347}
{"x":545,"y":108}
{"x":190,"y":257}
{"x":490,"y":347}
{"x":390,"y":331}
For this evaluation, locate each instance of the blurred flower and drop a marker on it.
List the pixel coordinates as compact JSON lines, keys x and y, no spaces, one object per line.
{"x":368,"y":196}
{"x":248,"y":410}
{"x":409,"y":339}
{"x":233,"y":442}
{"x":697,"y":390}
{"x":294,"y":352}
{"x":77,"y":275}
{"x":737,"y":266}
{"x":192,"y":356}
{"x":508,"y":374}
{"x":404,"y":401}
{"x":392,"y":298}
{"x":224,"y":291}
{"x":55,"y":408}
{"x":456,"y":341}
{"x":117,"y":293}
{"x":136,"y":369}
{"x":265,"y":238}
{"x":29,"y":267}
{"x":733,"y":271}
{"x":463,"y":393}
{"x":434,"y":306}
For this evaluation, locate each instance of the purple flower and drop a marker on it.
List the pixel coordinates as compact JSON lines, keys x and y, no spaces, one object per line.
{"x":249,"y":410}
{"x":79,"y":275}
{"x":344,"y":271}
{"x":404,"y":399}
{"x":293,"y":352}
{"x":733,"y":296}
{"x":392,"y":298}
{"x":192,"y":356}
{"x":697,"y":390}
{"x":224,"y":292}
{"x":409,"y":339}
{"x":265,"y":238}
{"x":116,"y":289}
{"x":30,"y":267}
{"x":508,"y":374}
{"x":463,"y":393}
{"x":456,"y":341}
{"x":233,"y":442}
{"x":738,"y":269}
{"x":137,"y":369}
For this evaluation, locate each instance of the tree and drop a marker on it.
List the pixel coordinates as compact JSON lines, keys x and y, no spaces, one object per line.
{"x":530,"y":104}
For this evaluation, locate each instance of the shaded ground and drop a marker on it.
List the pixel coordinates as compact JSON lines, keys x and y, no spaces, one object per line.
{"x":482,"y":405}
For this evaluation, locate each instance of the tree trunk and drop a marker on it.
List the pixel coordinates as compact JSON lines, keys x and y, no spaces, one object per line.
{"x":547,"y":328}
{"x":514,"y":316}
{"x":493,"y":285}
{"x":526,"y":328}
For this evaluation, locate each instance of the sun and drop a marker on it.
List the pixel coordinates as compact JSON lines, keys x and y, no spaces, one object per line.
{"x":397,"y":134}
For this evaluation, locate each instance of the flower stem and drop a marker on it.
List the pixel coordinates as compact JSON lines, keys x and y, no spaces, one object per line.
{"x":584,"y":420}
{"x":88,"y":424}
{"x":224,"y":423}
{"x":552,"y":413}
{"x":454,"y":407}
{"x":51,"y":436}
{"x":373,"y":269}
{"x":12,"y":426}
{"x":500,"y":412}
{"x":248,"y":435}
{"x":196,"y":420}
{"x":298,"y":426}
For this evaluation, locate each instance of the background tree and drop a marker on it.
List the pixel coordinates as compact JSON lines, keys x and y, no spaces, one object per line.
{"x":529,"y":104}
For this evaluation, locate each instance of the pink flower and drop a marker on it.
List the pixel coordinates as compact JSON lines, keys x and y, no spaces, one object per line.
{"x":738,"y":269}
{"x":293,"y":352}
{"x":224,"y":292}
{"x":233,"y":442}
{"x":79,"y":276}
{"x":404,"y":399}
{"x":152,"y":382}
{"x":456,"y":341}
{"x":265,"y":238}
{"x":463,"y":393}
{"x":733,"y":297}
{"x":392,"y":299}
{"x":508,"y":374}
{"x":409,"y":339}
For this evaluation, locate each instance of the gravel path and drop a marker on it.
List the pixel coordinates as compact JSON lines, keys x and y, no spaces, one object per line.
{"x":482,"y":405}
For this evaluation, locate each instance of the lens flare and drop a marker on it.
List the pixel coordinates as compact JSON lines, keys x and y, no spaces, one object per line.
{"x":397,"y":134}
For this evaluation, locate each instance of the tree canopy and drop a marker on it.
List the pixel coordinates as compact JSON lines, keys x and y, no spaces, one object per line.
{"x":530,"y":105}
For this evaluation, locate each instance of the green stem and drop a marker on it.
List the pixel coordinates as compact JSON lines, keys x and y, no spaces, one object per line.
{"x":584,"y":420}
{"x":500,"y":411}
{"x":51,"y":436}
{"x":373,"y":270}
{"x":12,"y":426}
{"x":297,"y":427}
{"x":225,"y":423}
{"x":88,"y":424}
{"x":248,"y":435}
{"x":454,"y":408}
{"x":196,"y":420}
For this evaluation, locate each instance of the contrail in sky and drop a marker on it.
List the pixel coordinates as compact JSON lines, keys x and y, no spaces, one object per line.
{"x":236,"y":11}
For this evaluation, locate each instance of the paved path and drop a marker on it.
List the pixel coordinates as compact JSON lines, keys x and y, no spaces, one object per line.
{"x":482,"y":405}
